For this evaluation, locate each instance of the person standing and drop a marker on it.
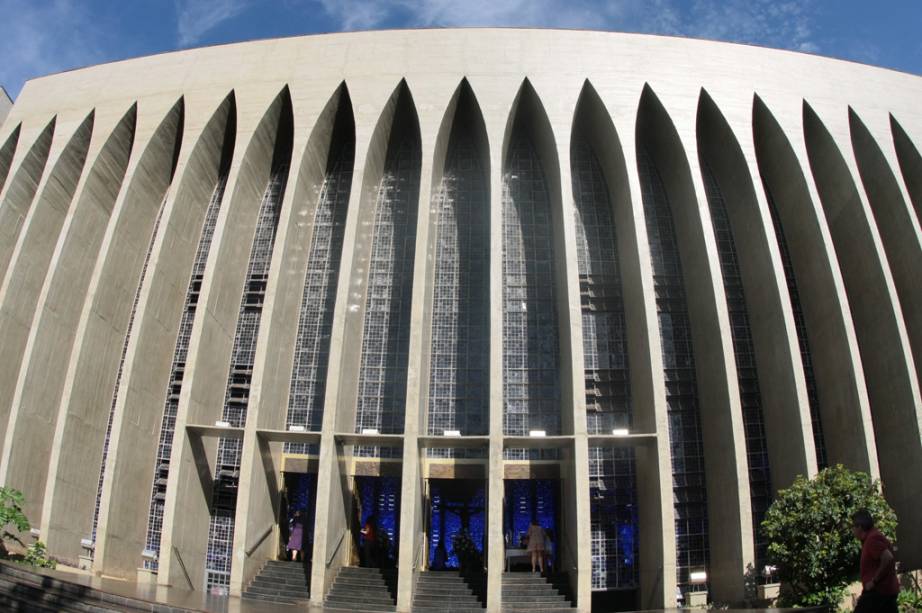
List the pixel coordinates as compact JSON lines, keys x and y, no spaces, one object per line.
{"x":369,"y":543}
{"x":536,"y":538}
{"x":296,"y":535}
{"x":879,"y":583}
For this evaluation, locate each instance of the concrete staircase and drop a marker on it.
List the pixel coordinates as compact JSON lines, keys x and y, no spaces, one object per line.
{"x":450,"y":592}
{"x":281,"y":582}
{"x":536,"y":594}
{"x":363,"y":589}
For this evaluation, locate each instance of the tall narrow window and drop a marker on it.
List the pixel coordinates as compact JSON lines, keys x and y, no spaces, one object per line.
{"x":237,"y":395}
{"x":531,"y":379}
{"x":687,"y":450}
{"x":178,"y":367}
{"x":312,"y":345}
{"x":458,"y":376}
{"x":613,"y":510}
{"x":760,"y":487}
{"x":386,"y":334}
{"x":800,"y":325}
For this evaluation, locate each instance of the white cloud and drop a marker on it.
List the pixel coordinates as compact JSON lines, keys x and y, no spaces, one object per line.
{"x":39,"y":37}
{"x":195,"y":18}
{"x":778,"y":23}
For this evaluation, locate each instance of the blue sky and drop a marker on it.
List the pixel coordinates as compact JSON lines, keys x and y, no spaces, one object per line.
{"x":38,"y":37}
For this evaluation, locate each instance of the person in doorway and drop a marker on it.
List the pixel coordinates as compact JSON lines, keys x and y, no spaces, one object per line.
{"x":536,"y":538}
{"x":549,"y":550}
{"x":880,"y":585}
{"x":296,"y":535}
{"x":369,"y":543}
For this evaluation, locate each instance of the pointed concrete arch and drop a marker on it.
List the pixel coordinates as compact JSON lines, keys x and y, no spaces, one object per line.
{"x":139,"y":410}
{"x":17,"y":195}
{"x":722,"y":437}
{"x":6,"y":154}
{"x":187,"y":508}
{"x":462,"y":125}
{"x":592,"y":124}
{"x":30,"y":433}
{"x":893,"y":389}
{"x":330,"y":143}
{"x":910,"y":161}
{"x":31,"y":256}
{"x":817,"y":297}
{"x":788,"y":428}
{"x":898,"y":227}
{"x":85,"y":414}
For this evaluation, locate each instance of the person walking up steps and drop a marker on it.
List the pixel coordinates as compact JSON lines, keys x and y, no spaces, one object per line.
{"x":536,"y":545}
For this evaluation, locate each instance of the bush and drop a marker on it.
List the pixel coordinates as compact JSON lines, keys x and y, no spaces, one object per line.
{"x":808,"y":528}
{"x":37,"y":555}
{"x":11,"y":502}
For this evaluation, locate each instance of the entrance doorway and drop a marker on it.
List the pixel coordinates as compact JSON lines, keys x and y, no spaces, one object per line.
{"x":299,"y":496}
{"x":530,"y":500}
{"x":457,"y":524}
{"x":377,"y":501}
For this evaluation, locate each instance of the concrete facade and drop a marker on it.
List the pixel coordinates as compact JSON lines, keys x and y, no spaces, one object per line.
{"x":757,"y":215}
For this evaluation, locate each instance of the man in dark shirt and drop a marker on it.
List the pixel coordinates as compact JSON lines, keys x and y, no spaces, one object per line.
{"x":878,"y":567}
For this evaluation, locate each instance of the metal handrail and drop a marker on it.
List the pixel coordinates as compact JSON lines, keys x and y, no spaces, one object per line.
{"x":419,"y":552}
{"x":259,"y":540}
{"x":182,"y":565}
{"x":336,"y":549}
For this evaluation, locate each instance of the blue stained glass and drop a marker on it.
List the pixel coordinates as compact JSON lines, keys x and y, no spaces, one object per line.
{"x":527,"y":500}
{"x":380,"y":497}
{"x":301,"y":489}
{"x":455,"y":505}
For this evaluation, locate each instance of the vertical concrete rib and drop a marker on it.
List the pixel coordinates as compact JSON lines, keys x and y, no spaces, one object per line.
{"x":190,"y":484}
{"x":778,"y":430}
{"x":29,"y":437}
{"x":709,"y":393}
{"x":6,"y":154}
{"x":140,"y":420}
{"x":817,"y":294}
{"x":83,"y":422}
{"x":17,"y":195}
{"x":31,"y":256}
{"x":411,"y":486}
{"x":890,"y":374}
{"x":617,"y":363}
{"x":332,"y":545}
{"x":898,"y":227}
{"x":910,"y":161}
{"x":305,"y":242}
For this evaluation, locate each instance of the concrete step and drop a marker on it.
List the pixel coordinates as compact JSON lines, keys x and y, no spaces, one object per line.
{"x":352,"y":605}
{"x":301,"y":594}
{"x":424,"y":599}
{"x":273,"y":599}
{"x":51,"y":598}
{"x":369,"y":597}
{"x":446,"y":609}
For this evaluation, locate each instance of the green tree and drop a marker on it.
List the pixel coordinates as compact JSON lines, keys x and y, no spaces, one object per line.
{"x":11,"y":514}
{"x":808,"y":527}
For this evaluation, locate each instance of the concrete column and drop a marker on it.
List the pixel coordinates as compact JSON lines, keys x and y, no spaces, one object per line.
{"x":19,"y":191}
{"x":843,"y":399}
{"x":897,"y":225}
{"x":32,"y":253}
{"x":893,"y":388}
{"x":574,"y":546}
{"x":258,"y":494}
{"x":6,"y":153}
{"x":657,"y":553}
{"x":785,"y":408}
{"x":332,"y":542}
{"x":729,"y":511}
{"x":35,"y":401}
{"x":85,"y":411}
{"x":411,"y":487}
{"x":188,"y":502}
{"x":910,"y":162}
{"x":127,"y":486}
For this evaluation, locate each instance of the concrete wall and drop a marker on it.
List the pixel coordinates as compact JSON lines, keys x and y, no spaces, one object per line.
{"x":86,"y":159}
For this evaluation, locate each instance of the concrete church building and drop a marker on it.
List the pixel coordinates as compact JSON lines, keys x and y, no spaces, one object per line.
{"x":449,"y":282}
